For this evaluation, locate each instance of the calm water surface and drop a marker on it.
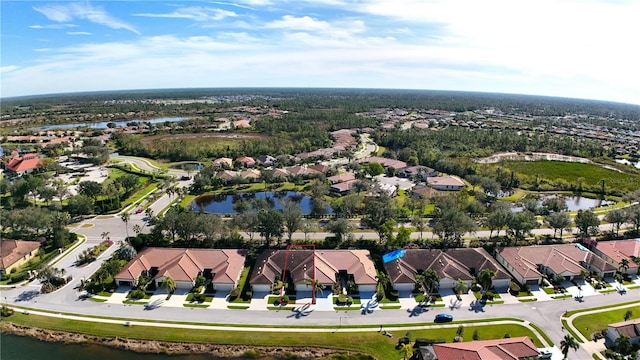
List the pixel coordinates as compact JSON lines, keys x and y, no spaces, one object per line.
{"x":14,"y":347}
{"x":103,"y":124}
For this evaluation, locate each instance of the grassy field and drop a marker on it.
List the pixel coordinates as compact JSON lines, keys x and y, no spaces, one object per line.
{"x":570,"y":172}
{"x":369,"y":342}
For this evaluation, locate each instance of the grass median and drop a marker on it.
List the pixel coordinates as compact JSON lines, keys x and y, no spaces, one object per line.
{"x":365,"y":341}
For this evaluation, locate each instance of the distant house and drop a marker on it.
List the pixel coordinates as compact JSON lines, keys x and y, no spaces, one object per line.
{"x":224,"y":163}
{"x":450,"y":265}
{"x":418,"y":172}
{"x":424,"y":191}
{"x":328,"y":267}
{"x":615,"y":251}
{"x":348,"y":176}
{"x":528,"y":264}
{"x":301,"y":171}
{"x":447,"y":183}
{"x":386,"y":162}
{"x":246,"y":161}
{"x":343,"y":187}
{"x":241,"y":124}
{"x":227,"y":175}
{"x":23,"y":164}
{"x":250,"y":174}
{"x":320,"y":168}
{"x":223,"y":267}
{"x":630,"y":329}
{"x":516,"y":348}
{"x":15,"y":253}
{"x":266,"y":160}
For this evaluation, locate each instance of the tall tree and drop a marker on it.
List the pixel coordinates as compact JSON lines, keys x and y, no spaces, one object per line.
{"x":292,"y":214}
{"x":485,"y":279}
{"x":587,"y":223}
{"x":270,"y":224}
{"x":633,"y":217}
{"x":616,"y":218}
{"x":558,"y":221}
{"x":379,"y":210}
{"x":168,"y":284}
{"x":125,"y":217}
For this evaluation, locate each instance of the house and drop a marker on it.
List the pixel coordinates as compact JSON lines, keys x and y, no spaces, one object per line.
{"x":323,"y":169}
{"x":348,"y":176}
{"x":418,"y":172}
{"x":343,"y":187}
{"x":450,"y":265}
{"x":246,"y":161}
{"x":424,"y":191}
{"x":224,"y":163}
{"x":447,"y":183}
{"x":630,"y":329}
{"x":15,"y":253}
{"x":241,"y":124}
{"x":222,"y":266}
{"x":227,"y":175}
{"x":528,"y":264}
{"x":250,"y":174}
{"x":266,"y":160}
{"x":300,"y":171}
{"x":281,"y":174}
{"x":386,"y":162}
{"x":329,"y":267}
{"x":23,"y":164}
{"x":615,"y":251}
{"x":516,"y":348}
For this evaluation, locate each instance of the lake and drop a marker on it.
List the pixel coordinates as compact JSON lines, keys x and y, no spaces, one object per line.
{"x":103,"y":124}
{"x":574,"y":203}
{"x":223,"y":204}
{"x":15,"y":347}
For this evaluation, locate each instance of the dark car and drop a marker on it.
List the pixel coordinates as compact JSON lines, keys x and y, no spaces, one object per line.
{"x":443,"y":318}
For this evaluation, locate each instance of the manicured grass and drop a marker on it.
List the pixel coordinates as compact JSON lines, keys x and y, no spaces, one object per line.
{"x":391,"y":307}
{"x":345,"y":308}
{"x":548,"y":290}
{"x":607,"y":291}
{"x":195,"y":305}
{"x":528,"y":300}
{"x":237,"y":307}
{"x":135,"y":302}
{"x":589,"y":323}
{"x":97,"y":300}
{"x":369,"y":342}
{"x":566,"y":296}
{"x":519,"y":194}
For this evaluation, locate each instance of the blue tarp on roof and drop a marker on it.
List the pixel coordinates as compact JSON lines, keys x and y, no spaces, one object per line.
{"x":395,"y":254}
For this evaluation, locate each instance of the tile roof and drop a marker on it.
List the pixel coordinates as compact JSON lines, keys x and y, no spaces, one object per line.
{"x":620,"y":249}
{"x":341,"y":177}
{"x":23,"y":163}
{"x":629,"y":328}
{"x":561,"y":259}
{"x":503,"y":349}
{"x":444,"y":181}
{"x":270,"y":265}
{"x":396,"y":164}
{"x":185,"y":264}
{"x":448,"y":264}
{"x":14,"y":250}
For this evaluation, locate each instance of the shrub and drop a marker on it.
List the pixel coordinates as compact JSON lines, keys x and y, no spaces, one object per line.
{"x":5,"y":311}
{"x":5,"y":277}
{"x":136,"y":294}
{"x":21,"y":276}
{"x":199,"y":297}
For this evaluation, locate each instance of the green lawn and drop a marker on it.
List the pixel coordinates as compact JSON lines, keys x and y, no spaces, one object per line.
{"x":589,"y":323}
{"x":369,"y":342}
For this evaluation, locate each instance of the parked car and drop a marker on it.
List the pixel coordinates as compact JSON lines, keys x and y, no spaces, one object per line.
{"x":443,"y":318}
{"x":139,"y":210}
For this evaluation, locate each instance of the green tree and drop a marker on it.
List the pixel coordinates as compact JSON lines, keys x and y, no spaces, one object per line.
{"x":168,"y":284}
{"x":568,"y":343}
{"x":558,"y":221}
{"x":460,"y":287}
{"x":485,"y":279}
{"x":616,"y":218}
{"x":379,"y":210}
{"x":587,"y":223}
{"x":292,"y":214}
{"x":498,"y":218}
{"x":316,"y":286}
{"x":270,"y":224}
{"x":340,"y":228}
{"x":628,"y":315}
{"x":633,"y":217}
{"x":407,"y":351}
{"x":374,"y":169}
{"x":89,"y":188}
{"x":522,"y":223}
{"x":624,"y":265}
{"x":125,"y":217}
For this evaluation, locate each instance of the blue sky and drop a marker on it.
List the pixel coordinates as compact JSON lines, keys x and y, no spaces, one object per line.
{"x":570,"y":48}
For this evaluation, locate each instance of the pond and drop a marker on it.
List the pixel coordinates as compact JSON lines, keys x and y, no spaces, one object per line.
{"x":574,"y":203}
{"x":103,"y":124}
{"x":223,"y":204}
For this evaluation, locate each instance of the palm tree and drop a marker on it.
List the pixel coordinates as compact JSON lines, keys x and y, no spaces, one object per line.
{"x":126,"y":217}
{"x":104,"y":235}
{"x":568,"y":343}
{"x":137,"y":229}
{"x":168,"y":284}
{"x":316,"y":286}
{"x":485,"y":278}
{"x":407,"y":351}
{"x":383,"y":283}
{"x":460,"y":287}
{"x":624,"y":266}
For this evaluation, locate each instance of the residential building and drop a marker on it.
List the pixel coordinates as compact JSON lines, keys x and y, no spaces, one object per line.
{"x":343,"y":187}
{"x":615,"y":251}
{"x":418,"y":172}
{"x":225,"y":163}
{"x":266,"y":160}
{"x":528,"y":264}
{"x":447,"y":183}
{"x":246,"y":161}
{"x":449,"y":264}
{"x":347,"y":176}
{"x":222,"y":266}
{"x":15,"y":253}
{"x":629,"y":328}
{"x":327,"y":266}
{"x":386,"y":162}
{"x":23,"y":164}
{"x":517,"y":348}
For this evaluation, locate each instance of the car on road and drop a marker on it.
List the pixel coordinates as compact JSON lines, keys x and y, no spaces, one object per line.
{"x":443,"y":318}
{"x":139,"y":210}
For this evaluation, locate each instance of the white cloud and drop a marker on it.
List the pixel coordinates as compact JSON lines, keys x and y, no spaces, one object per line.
{"x":41,"y":49}
{"x":195,"y":13}
{"x":68,"y":12}
{"x":53,"y":26}
{"x":78,"y":33}
{"x":8,"y":68}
